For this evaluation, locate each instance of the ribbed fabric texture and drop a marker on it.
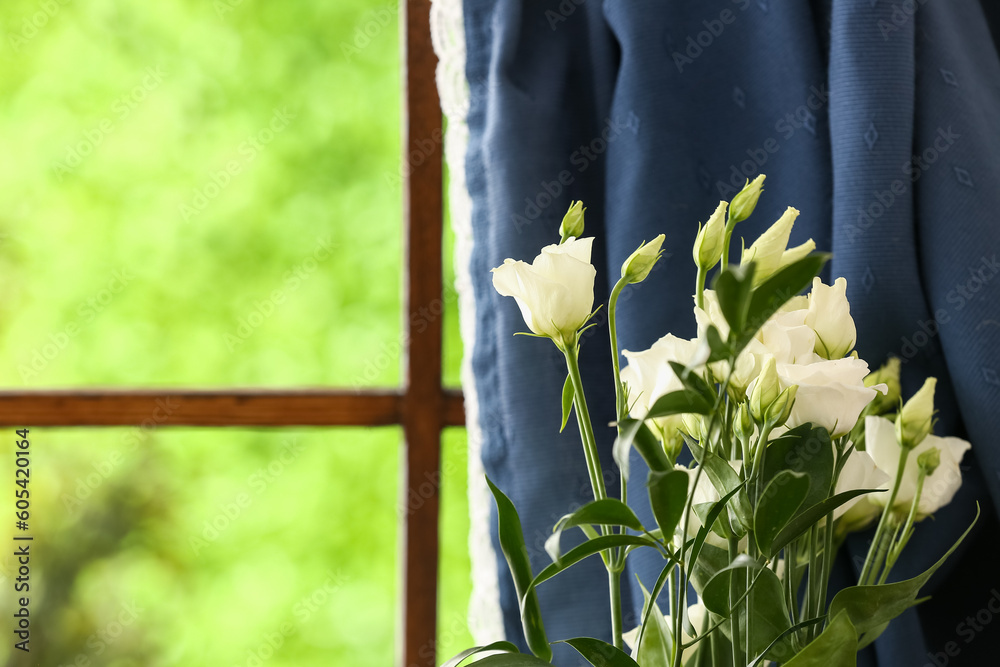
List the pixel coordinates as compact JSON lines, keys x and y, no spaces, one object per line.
{"x":878,"y":120}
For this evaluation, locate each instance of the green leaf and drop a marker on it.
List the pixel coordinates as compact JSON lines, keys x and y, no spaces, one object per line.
{"x":699,"y":540}
{"x":783,"y":636}
{"x":776,"y":507}
{"x":804,"y":520}
{"x":774,"y":292}
{"x":600,"y":654}
{"x":721,"y":350}
{"x":716,"y":592}
{"x":770,"y":616}
{"x":567,"y":401}
{"x":606,"y":511}
{"x":634,"y":432}
{"x":721,"y":526}
{"x":667,"y":496}
{"x":711,"y":560}
{"x":870,"y":608}
{"x":733,"y":287}
{"x":836,"y":646}
{"x":725,"y":479}
{"x":806,"y":449}
{"x":512,"y":544}
{"x":680,"y":402}
{"x":578,"y":553}
{"x":647,"y":607}
{"x":511,"y":660}
{"x":693,"y":381}
{"x":495,"y":646}
{"x":655,"y":642}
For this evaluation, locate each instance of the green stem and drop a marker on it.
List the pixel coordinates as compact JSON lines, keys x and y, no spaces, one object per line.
{"x":734,"y":595}
{"x":730,"y":225}
{"x":883,"y":520}
{"x":586,"y":428}
{"x":699,"y":293}
{"x":621,"y":409}
{"x":896,"y":549}
{"x":615,"y":586}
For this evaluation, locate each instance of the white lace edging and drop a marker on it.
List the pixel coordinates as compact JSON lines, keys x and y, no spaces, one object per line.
{"x":448,"y":33}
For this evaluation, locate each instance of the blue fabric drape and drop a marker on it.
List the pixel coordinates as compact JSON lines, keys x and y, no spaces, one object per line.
{"x":877,"y":119}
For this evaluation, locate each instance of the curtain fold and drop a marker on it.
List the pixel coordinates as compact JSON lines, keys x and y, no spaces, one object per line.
{"x":878,"y":123}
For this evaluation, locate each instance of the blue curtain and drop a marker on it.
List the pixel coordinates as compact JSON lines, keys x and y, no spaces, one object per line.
{"x":879,"y":120}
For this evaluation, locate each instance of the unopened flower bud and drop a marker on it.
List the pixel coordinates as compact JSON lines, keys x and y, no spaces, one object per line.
{"x":640,"y":263}
{"x":929,"y":460}
{"x":779,"y":411}
{"x":768,"y":252}
{"x":889,"y":376}
{"x":914,"y":421}
{"x":766,"y":389}
{"x":744,"y":423}
{"x":708,"y":244}
{"x":744,"y":203}
{"x":572,"y":222}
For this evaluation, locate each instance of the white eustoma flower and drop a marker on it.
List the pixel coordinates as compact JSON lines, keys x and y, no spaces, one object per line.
{"x":939,"y":488}
{"x":555,"y":292}
{"x":832,"y":392}
{"x":859,"y":472}
{"x":829,"y":315}
{"x":649,"y":376}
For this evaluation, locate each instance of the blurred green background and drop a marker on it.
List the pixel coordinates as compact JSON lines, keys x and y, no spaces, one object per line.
{"x":207,"y":193}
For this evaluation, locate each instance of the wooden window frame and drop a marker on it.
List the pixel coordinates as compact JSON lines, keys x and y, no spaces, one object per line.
{"x":422,"y":406}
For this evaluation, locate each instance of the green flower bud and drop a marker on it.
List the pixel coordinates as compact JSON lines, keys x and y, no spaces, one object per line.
{"x":708,"y":244}
{"x":929,"y":460}
{"x":745,"y":202}
{"x":640,"y":263}
{"x":889,"y":376}
{"x":914,"y":422}
{"x":572,"y":222}
{"x":744,"y":423}
{"x":766,"y":390}
{"x":779,"y":411}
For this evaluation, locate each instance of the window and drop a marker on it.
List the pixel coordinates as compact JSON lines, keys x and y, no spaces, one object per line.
{"x":422,"y":407}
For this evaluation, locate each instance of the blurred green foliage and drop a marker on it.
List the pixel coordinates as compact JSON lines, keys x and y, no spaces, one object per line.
{"x":207,"y":193}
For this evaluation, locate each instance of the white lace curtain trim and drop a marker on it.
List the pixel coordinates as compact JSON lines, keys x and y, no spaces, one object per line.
{"x":448,"y":33}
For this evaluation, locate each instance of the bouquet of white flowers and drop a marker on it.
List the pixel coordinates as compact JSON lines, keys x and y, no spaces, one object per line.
{"x":793,"y":444}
